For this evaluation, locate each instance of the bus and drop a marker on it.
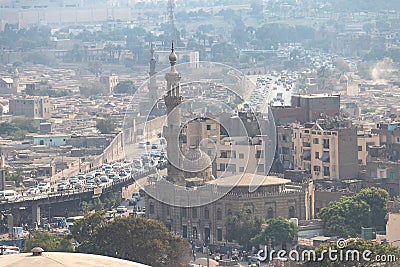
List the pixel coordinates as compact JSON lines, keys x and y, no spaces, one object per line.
{"x":70,"y":220}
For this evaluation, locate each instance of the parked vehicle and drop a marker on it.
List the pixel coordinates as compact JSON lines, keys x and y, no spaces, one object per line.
{"x":136,"y":195}
{"x":70,"y":220}
{"x":33,"y":191}
{"x":44,"y":187}
{"x":9,"y":195}
{"x":122,"y":209}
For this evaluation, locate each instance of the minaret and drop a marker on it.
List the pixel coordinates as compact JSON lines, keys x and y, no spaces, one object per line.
{"x":172,"y":100}
{"x":153,"y":83}
{"x":2,"y":173}
{"x":15,"y":84}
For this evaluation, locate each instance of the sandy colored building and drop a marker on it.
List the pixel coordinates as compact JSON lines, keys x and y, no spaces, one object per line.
{"x":327,"y":149}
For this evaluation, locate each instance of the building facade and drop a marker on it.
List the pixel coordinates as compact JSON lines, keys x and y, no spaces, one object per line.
{"x":327,"y":149}
{"x":35,"y":107}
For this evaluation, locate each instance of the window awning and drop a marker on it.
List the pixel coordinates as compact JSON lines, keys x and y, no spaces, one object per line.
{"x":306,"y":154}
{"x":325,"y":157}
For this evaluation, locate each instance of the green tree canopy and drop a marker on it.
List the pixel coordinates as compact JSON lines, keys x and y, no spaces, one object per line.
{"x":93,"y":89}
{"x":279,"y":230}
{"x":105,"y":126}
{"x":47,"y":241}
{"x":242,"y":227}
{"x":25,"y":124}
{"x":344,"y":218}
{"x":377,"y":199}
{"x":137,"y":239}
{"x":125,"y":87}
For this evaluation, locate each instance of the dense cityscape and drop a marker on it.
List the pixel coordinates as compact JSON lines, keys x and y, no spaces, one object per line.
{"x":199,"y":133}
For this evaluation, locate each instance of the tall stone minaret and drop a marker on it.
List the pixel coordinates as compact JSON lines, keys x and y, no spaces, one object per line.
{"x":153,"y":96}
{"x":172,"y":100}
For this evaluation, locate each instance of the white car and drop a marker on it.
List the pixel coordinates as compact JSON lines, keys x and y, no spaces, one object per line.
{"x":43,"y":187}
{"x":122,"y":209}
{"x":33,"y":191}
{"x":90,"y":185}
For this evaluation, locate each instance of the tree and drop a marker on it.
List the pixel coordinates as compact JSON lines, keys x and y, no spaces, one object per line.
{"x":93,"y":89}
{"x":345,"y":217}
{"x":47,"y":241}
{"x":131,"y":238}
{"x":279,"y":230}
{"x":105,"y":126}
{"x":377,"y":199}
{"x":242,"y":227}
{"x":25,"y":124}
{"x":349,"y":258}
{"x":125,"y":87}
{"x":15,"y":176}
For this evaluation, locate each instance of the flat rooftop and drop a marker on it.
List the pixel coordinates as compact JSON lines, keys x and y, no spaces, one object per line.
{"x":54,"y":259}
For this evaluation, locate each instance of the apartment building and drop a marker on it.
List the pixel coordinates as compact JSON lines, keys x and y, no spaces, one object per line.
{"x":327,"y":149}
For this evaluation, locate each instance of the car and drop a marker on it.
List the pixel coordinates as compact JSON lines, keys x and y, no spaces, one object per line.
{"x":104,"y":179}
{"x":136,"y":195}
{"x":122,"y":173}
{"x":73,"y":180}
{"x":116,"y":165}
{"x":89,"y":176}
{"x":122,"y":209}
{"x":78,"y":186}
{"x":43,"y":186}
{"x":142,"y":145}
{"x":33,"y":191}
{"x":154,"y":146}
{"x":90,"y":186}
{"x":62,"y":187}
{"x":116,"y":177}
{"x":132,"y":201}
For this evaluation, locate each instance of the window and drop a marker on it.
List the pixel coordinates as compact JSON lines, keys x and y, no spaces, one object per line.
{"x":259,"y":154}
{"x":184,"y":231}
{"x":208,"y":127}
{"x":284,"y":138}
{"x":260,"y":168}
{"x":392,"y":175}
{"x":241,"y":169}
{"x":206,"y":214}
{"x":292,"y":212}
{"x":183,"y":212}
{"x":241,"y":156}
{"x":285,"y":151}
{"x":359,"y":148}
{"x":219,"y":214}
{"x":224,"y":154}
{"x":229,"y":213}
{"x":326,"y":171}
{"x":194,"y":213}
{"x":151,"y":208}
{"x":325,"y":157}
{"x":219,"y":234}
{"x":270,"y":213}
{"x":315,"y":141}
{"x":316,"y":155}
{"x":317,"y":168}
{"x":326,"y":143}
{"x":222,"y":167}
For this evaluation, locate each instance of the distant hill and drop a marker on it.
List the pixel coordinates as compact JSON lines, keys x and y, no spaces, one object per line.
{"x":364,"y":5}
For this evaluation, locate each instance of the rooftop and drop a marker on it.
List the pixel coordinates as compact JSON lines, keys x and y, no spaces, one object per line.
{"x":249,"y":179}
{"x":54,"y":259}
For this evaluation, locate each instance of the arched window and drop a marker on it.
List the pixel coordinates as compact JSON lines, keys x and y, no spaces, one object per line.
{"x":219,"y":214}
{"x":270,"y":213}
{"x":292,"y":212}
